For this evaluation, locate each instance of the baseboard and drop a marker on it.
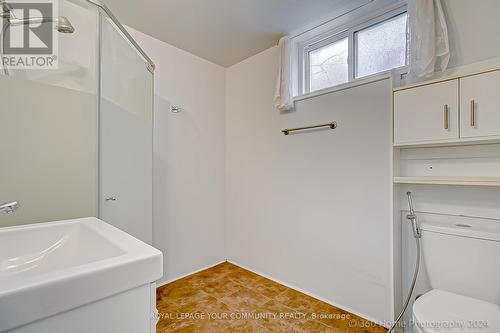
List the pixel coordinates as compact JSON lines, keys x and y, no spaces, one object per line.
{"x":158,"y":285}
{"x":340,"y":306}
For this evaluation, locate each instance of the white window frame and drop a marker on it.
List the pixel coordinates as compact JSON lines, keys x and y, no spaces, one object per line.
{"x":322,"y":38}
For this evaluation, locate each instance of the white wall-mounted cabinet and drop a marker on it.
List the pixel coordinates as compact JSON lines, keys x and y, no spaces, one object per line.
{"x":427,"y":113}
{"x":447,"y":132}
{"x":458,"y":110}
{"x":480,"y":105}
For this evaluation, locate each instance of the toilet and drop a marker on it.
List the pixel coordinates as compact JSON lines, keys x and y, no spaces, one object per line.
{"x":462,"y":261}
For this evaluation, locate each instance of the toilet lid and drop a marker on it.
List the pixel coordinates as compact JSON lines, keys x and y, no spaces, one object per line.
{"x":439,"y":311}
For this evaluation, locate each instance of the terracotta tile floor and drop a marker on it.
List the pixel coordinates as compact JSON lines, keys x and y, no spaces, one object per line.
{"x":227,"y":298}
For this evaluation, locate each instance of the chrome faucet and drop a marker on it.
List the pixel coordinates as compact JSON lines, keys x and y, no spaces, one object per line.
{"x":10,"y":207}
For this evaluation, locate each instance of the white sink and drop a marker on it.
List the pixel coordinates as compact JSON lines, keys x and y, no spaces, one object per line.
{"x":49,"y":268}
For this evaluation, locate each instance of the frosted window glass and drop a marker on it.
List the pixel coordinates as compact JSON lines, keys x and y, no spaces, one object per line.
{"x":381,"y":47}
{"x":328,"y":65}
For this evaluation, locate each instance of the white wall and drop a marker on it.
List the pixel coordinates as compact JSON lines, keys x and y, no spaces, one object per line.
{"x":312,"y":209}
{"x":49,"y":151}
{"x":473,"y":28}
{"x":188,"y":159}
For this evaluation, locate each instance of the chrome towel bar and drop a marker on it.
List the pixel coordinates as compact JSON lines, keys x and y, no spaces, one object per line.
{"x":332,"y":125}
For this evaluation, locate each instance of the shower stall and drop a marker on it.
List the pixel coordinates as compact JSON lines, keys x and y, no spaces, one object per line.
{"x":77,"y":140}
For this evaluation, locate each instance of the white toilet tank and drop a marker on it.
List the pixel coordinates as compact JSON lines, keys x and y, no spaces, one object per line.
{"x":462,"y":256}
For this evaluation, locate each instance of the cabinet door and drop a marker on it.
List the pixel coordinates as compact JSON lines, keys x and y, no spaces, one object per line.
{"x":426,"y":113}
{"x":480,"y":105}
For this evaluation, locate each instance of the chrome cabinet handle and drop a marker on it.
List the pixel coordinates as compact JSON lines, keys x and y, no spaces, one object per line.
{"x":446,"y":116}
{"x":110,"y":199}
{"x":473,"y":113}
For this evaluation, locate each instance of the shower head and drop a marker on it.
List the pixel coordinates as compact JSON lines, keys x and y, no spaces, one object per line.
{"x":61,"y":23}
{"x":64,"y":25}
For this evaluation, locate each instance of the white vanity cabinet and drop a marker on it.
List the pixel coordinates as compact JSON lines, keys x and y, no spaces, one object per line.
{"x":427,"y":113}
{"x":480,"y":105}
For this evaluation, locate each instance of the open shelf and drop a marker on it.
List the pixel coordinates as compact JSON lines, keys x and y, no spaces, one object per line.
{"x":460,"y":181}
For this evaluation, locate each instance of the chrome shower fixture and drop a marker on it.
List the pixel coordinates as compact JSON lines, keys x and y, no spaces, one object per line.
{"x":62,"y":24}
{"x":413,"y":217}
{"x":10,"y":207}
{"x":417,"y":235}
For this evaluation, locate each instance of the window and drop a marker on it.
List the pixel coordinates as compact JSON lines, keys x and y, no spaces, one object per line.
{"x":328,"y":65}
{"x":374,"y":47}
{"x":381,"y":47}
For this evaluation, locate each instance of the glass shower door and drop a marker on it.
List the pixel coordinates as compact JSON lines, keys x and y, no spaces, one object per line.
{"x":126,"y":135}
{"x":48,"y":129}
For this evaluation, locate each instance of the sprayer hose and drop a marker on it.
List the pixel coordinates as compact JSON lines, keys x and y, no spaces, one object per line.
{"x":412,"y":286}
